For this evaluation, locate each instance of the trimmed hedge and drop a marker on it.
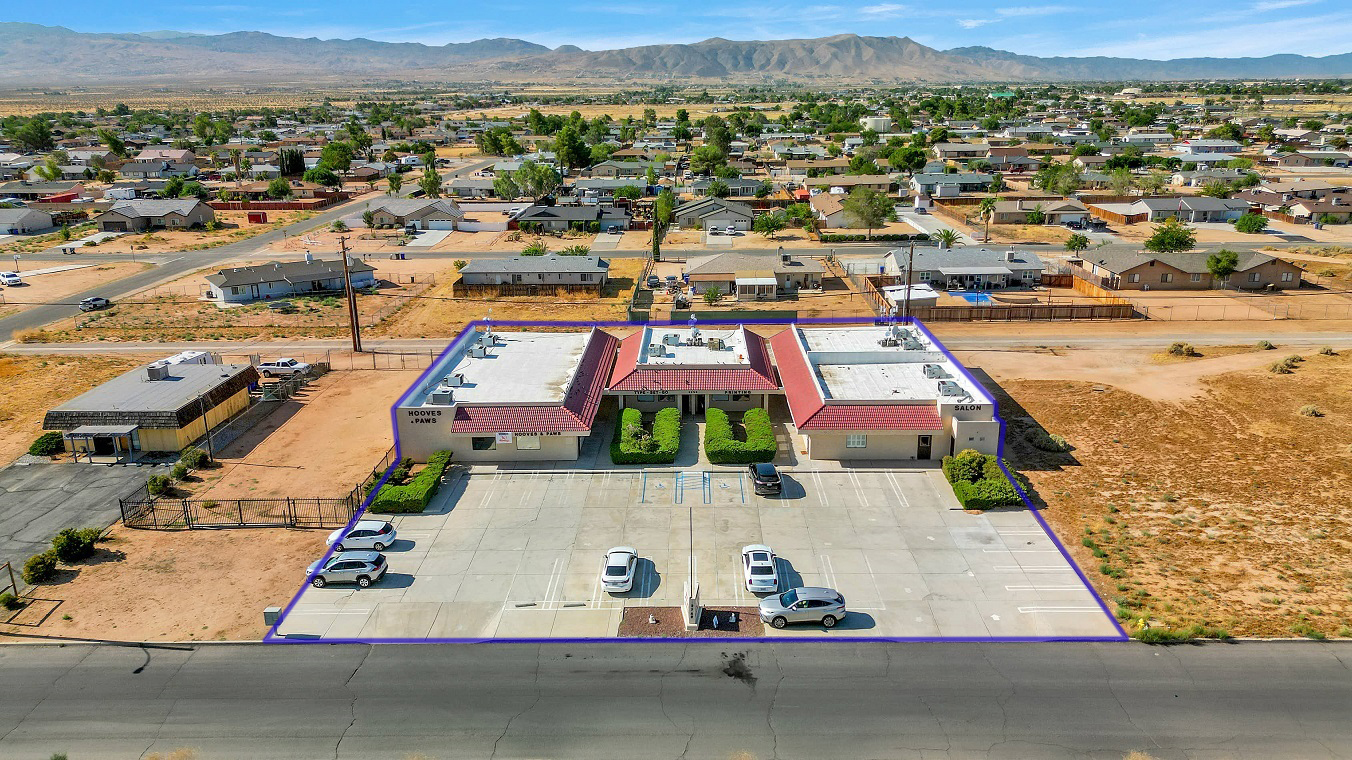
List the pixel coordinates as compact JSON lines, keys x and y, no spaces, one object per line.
{"x":886,"y":238}
{"x":48,"y":445}
{"x":630,"y":444}
{"x":39,"y":568}
{"x":412,"y":497}
{"x":722,"y":447}
{"x":979,"y":483}
{"x":71,"y":545}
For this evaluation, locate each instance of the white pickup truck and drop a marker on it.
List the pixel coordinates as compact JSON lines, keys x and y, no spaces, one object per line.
{"x":283,"y":368}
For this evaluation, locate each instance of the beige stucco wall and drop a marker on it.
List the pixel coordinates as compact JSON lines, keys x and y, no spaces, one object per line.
{"x":563,"y":447}
{"x":880,"y":446}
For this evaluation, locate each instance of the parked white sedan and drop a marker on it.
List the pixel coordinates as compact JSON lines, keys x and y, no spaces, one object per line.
{"x":759,"y":569}
{"x":377,"y":535}
{"x":617,"y":575}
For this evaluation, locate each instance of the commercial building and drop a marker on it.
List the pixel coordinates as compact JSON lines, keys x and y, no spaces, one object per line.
{"x":693,"y":369}
{"x":881,"y":393}
{"x":508,"y":397}
{"x":163,"y":406}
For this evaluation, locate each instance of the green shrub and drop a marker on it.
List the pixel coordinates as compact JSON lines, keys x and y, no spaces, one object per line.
{"x":412,"y":497}
{"x":48,"y":445}
{"x":1182,"y":349}
{"x":1310,"y":410}
{"x":10,"y":601}
{"x":966,"y":465}
{"x":1327,"y":351}
{"x":159,"y":485}
{"x":39,"y":568}
{"x":631,"y":444}
{"x":986,"y":493}
{"x":194,"y":458}
{"x":722,"y":446}
{"x":71,"y":545}
{"x":180,"y":471}
{"x":1042,"y":440}
{"x":1265,"y":345}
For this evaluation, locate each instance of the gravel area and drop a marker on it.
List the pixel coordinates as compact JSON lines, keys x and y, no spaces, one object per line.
{"x":670,"y":623}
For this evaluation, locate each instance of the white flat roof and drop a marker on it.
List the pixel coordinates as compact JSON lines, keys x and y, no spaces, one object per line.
{"x":686,"y":354}
{"x":851,"y":364}
{"x":521,"y":368}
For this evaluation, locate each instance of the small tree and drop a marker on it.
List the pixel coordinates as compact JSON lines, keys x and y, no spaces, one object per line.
{"x":1251,"y":224}
{"x":948,"y":238}
{"x":1171,"y":237}
{"x":985,"y":210}
{"x":769,"y":224}
{"x":538,"y":248}
{"x":65,"y":232}
{"x":1222,"y":264}
{"x":1076,"y":243}
{"x":712,"y":295}
{"x":868,"y":208}
{"x":279,"y":189}
{"x":394,"y":181}
{"x":1036,"y":216}
{"x":368,"y":218}
{"x":719,"y":189}
{"x":430,"y":182}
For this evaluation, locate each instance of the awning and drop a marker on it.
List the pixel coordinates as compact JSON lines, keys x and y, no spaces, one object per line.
{"x":974,"y":270}
{"x":89,"y":431}
{"x":770,"y":281}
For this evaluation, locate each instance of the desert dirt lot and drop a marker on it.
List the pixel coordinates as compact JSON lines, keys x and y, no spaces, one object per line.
{"x":442,"y":312}
{"x":320,"y":443}
{"x":34,"y":384}
{"x":146,"y":585}
{"x":234,"y":228}
{"x":54,"y":286}
{"x":1197,"y":493}
{"x":175,"y":310}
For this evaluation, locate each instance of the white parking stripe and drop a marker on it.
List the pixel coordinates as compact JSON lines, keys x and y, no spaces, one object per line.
{"x":896,"y":488}
{"x":1036,"y":587}
{"x":1031,"y":610}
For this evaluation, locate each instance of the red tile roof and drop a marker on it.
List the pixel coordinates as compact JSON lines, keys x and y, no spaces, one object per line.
{"x":628,"y":376}
{"x":811,"y":412}
{"x":575,"y":414}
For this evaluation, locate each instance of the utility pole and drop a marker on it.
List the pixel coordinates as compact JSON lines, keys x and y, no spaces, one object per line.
{"x":206,"y":427}
{"x":906,"y":299}
{"x":354,"y":322}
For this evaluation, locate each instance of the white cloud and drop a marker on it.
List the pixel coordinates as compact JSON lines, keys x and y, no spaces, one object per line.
{"x":1024,"y":11}
{"x":1276,"y":5}
{"x":972,"y":23}
{"x":883,"y":10}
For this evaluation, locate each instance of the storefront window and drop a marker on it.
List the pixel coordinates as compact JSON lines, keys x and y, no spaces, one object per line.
{"x":856,"y":441}
{"x":483,"y":443}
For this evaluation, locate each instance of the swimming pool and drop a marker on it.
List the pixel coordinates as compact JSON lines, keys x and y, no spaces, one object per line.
{"x":980,"y":298}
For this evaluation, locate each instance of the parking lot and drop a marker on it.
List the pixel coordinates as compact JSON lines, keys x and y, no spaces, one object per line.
{"x":518,"y":555}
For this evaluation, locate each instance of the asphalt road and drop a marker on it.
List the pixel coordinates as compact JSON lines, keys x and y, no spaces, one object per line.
{"x":706,"y":700}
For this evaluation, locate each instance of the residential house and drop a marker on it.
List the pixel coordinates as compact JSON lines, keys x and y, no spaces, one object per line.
{"x":281,"y":279}
{"x":968,"y":268}
{"x":947,"y":151}
{"x":1091,"y":162}
{"x":171,"y":155}
{"x":551,"y":269}
{"x":738,"y":186}
{"x":1055,"y":211}
{"x":1132,"y":270}
{"x":559,"y":218}
{"x":829,"y":210}
{"x":713,"y":214}
{"x":1203,"y":176}
{"x":950,"y":185}
{"x":1207,"y":147}
{"x":636,"y":169}
{"x":68,"y":172}
{"x":470,"y":187}
{"x":1198,"y":208}
{"x":34,"y":191}
{"x":21,"y":221}
{"x":753,"y":277}
{"x":141,"y":215}
{"x":881,"y":183}
{"x":422,"y":213}
{"x":157,"y":169}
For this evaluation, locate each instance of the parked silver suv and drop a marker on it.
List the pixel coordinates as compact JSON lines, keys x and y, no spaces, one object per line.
{"x":803,"y":605}
{"x":361,"y":568}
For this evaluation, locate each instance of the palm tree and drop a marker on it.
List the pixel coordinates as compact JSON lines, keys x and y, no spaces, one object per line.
{"x":947,"y":237}
{"x":985,"y":210}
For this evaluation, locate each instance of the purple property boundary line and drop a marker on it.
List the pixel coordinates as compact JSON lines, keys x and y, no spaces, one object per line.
{"x":470,"y":328}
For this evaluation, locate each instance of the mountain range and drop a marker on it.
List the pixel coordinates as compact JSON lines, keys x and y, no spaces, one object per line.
{"x":32,"y":54}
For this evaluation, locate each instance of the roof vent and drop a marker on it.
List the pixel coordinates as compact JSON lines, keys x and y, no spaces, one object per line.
{"x":1010,"y":254}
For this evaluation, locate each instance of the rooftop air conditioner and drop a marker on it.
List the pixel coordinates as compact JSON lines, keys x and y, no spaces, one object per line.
{"x":157,"y":371}
{"x":442,"y":397}
{"x":911,"y":344}
{"x":487,"y":338}
{"x":715,"y":344}
{"x":478,"y":352}
{"x":950,"y":388}
{"x":656,"y":349}
{"x":935,"y":371}
{"x":888,"y":342}
{"x":453,"y":381}
{"x":671,"y":339}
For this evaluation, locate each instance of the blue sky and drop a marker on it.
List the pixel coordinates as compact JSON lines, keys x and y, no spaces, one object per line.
{"x":1141,"y":29}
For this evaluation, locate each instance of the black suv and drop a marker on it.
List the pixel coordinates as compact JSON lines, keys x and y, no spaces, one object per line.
{"x":765,"y":479}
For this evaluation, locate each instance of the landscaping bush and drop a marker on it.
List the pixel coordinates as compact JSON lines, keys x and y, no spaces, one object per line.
{"x":978,"y":482}
{"x":1327,"y":351}
{"x":194,"y":458}
{"x":1043,"y":441}
{"x":180,"y":471}
{"x":39,"y":568}
{"x":631,"y":444}
{"x":1266,"y":345}
{"x":722,"y":446}
{"x":10,"y":601}
{"x":159,"y":485}
{"x":412,"y":497}
{"x":48,"y":445}
{"x":1310,"y":410}
{"x":1182,"y":349}
{"x":71,"y":545}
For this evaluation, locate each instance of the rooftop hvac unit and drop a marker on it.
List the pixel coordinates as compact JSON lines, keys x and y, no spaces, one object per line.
{"x":487,"y":338}
{"x":656,"y":349}
{"x":950,"y":388}
{"x":453,"y":381}
{"x":442,"y":397}
{"x":716,"y":344}
{"x":888,"y":342}
{"x":935,"y":371}
{"x":912,"y":344}
{"x":478,"y":352}
{"x":671,"y":339}
{"x":157,"y":371}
